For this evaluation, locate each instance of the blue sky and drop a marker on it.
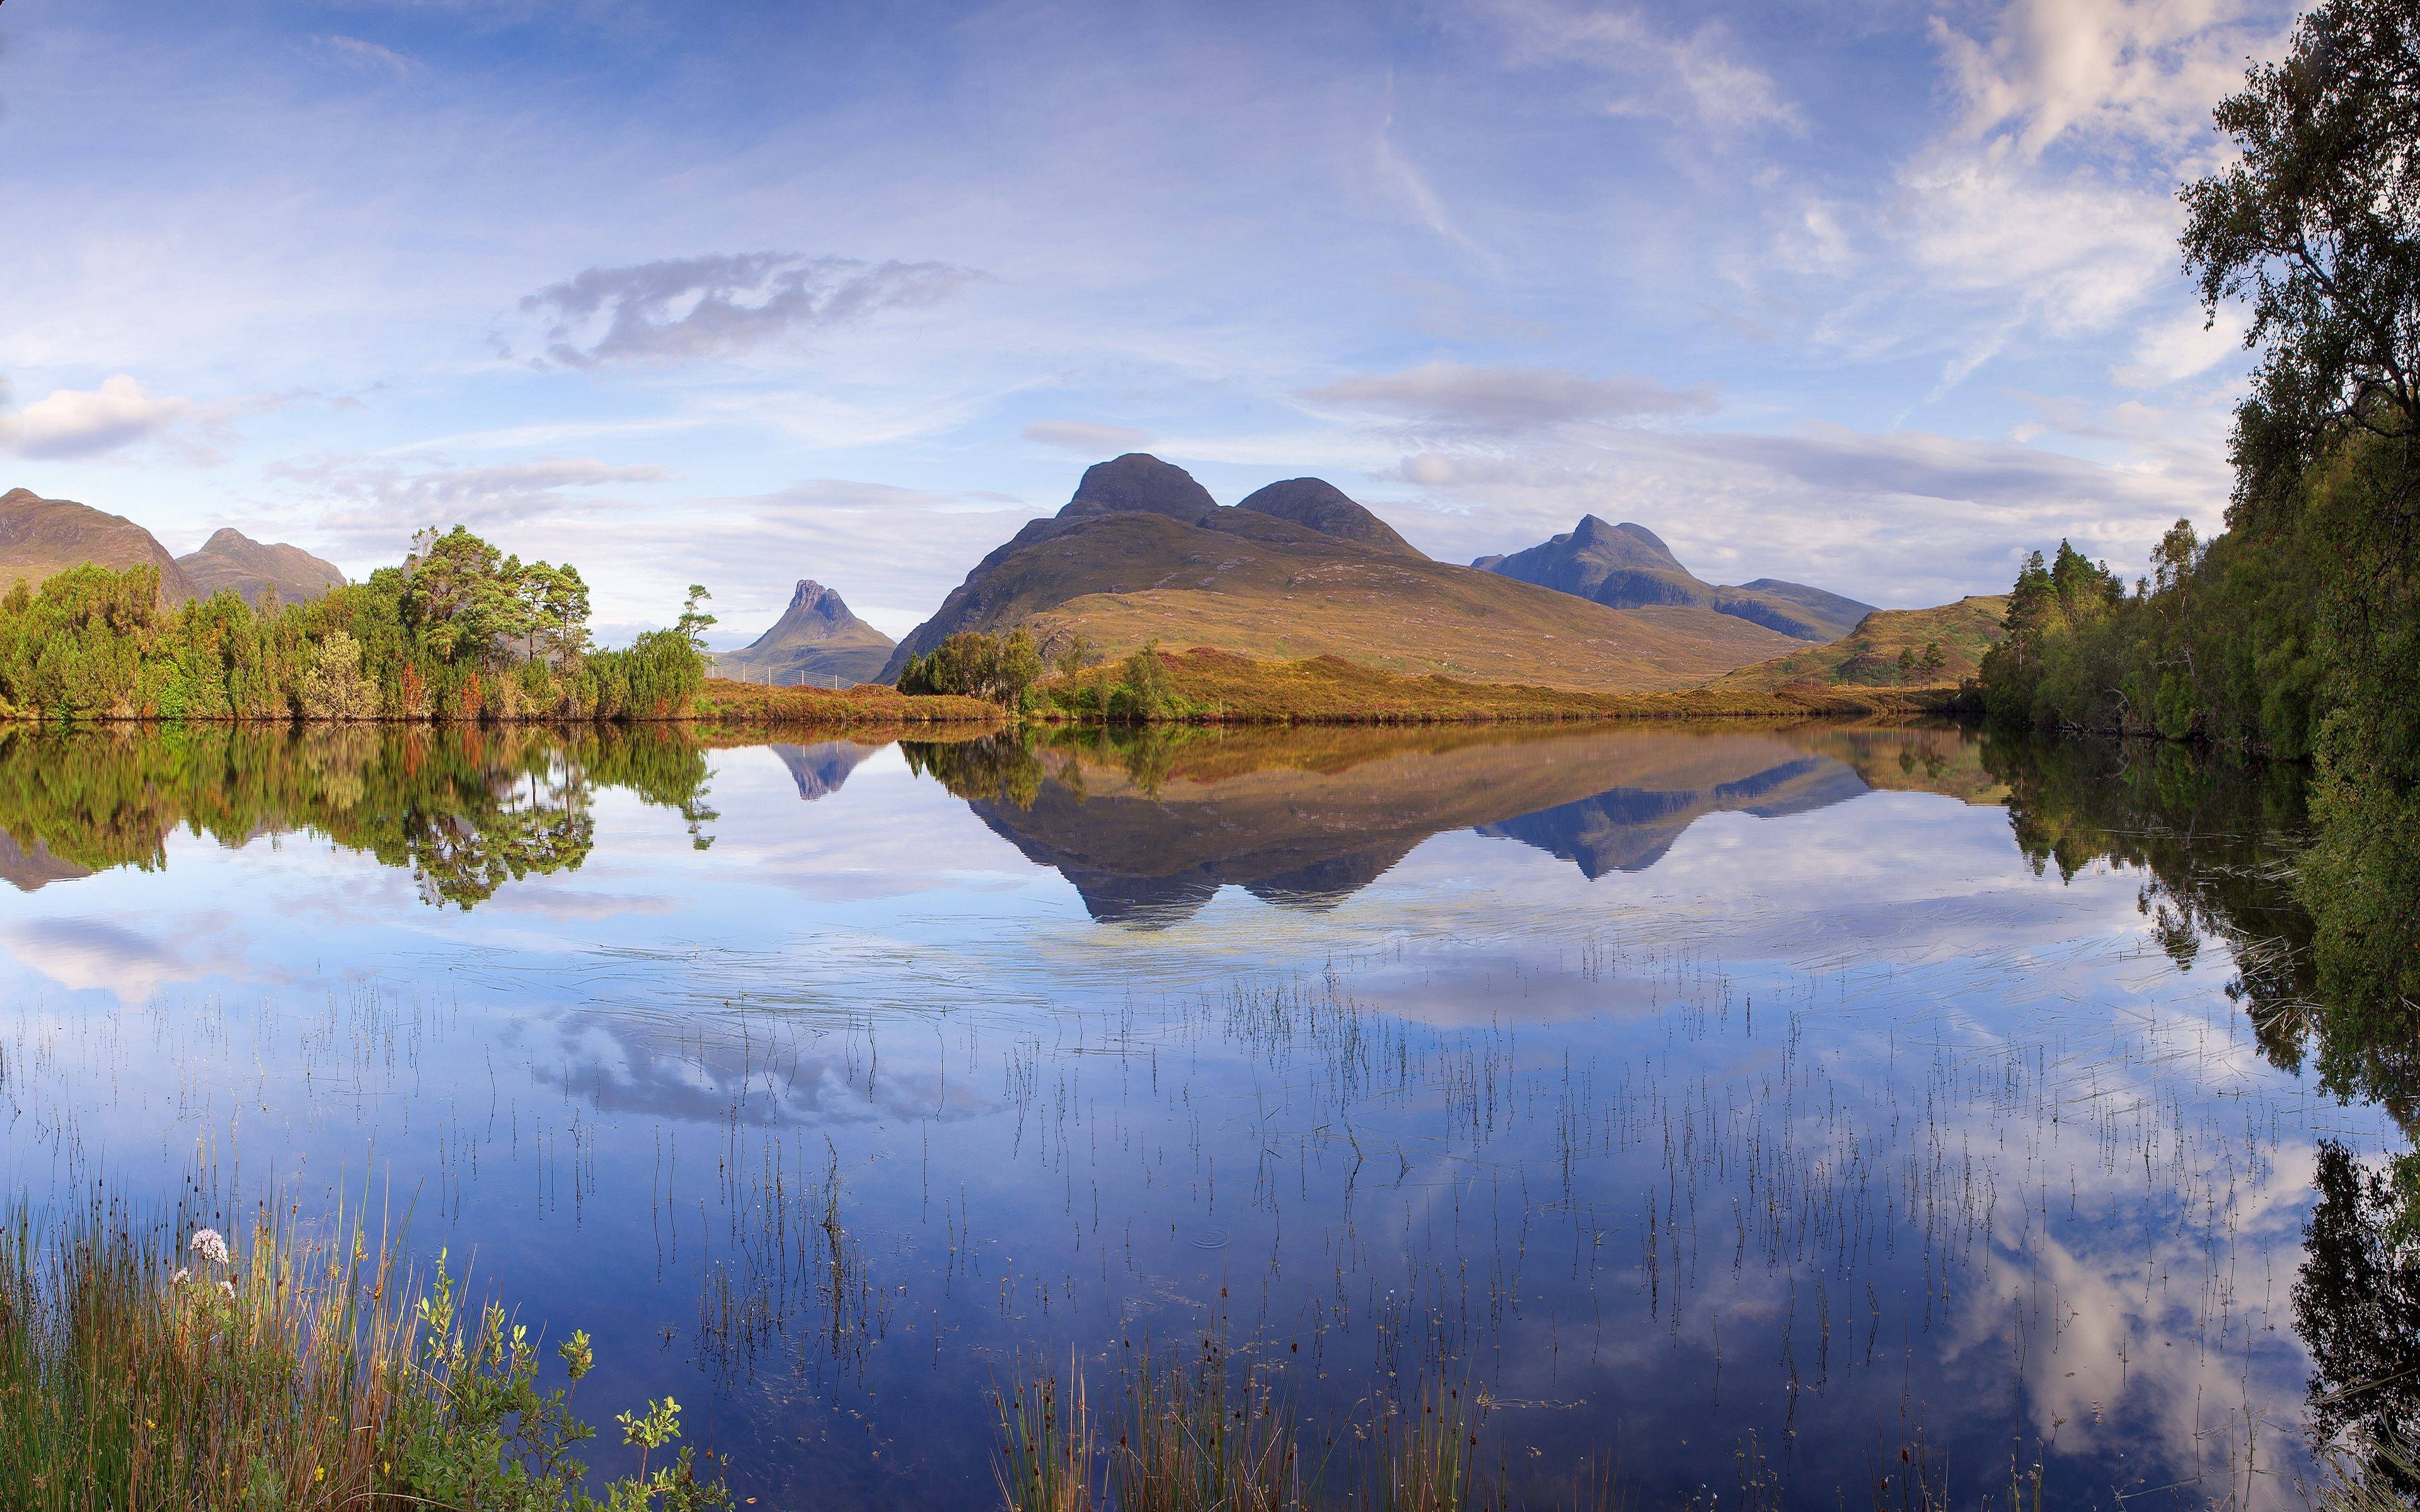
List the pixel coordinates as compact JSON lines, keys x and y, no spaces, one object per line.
{"x":1871,"y":295}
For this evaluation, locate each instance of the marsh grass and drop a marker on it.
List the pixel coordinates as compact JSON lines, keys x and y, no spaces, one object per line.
{"x":1202,"y":1430}
{"x":260,"y":1380}
{"x":305,"y":1370}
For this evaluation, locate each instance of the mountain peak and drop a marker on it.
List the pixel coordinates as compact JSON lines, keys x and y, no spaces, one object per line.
{"x":1320,"y":505}
{"x":1139,"y":482}
{"x":230,"y":559}
{"x":817,"y":640}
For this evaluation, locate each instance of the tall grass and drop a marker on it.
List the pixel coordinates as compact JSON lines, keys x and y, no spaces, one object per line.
{"x":1201,"y":1431}
{"x":145,"y":1368}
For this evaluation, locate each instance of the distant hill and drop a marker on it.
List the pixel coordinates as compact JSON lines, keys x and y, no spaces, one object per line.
{"x":1143,"y":553}
{"x":1629,"y":566}
{"x":230,"y":559}
{"x":1867,"y":657}
{"x":816,"y":640}
{"x":41,"y":536}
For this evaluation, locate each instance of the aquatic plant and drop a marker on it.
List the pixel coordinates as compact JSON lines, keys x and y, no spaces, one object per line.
{"x":299,"y":1372}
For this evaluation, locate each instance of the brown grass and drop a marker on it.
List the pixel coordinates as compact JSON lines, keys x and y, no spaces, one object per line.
{"x":727,"y":701}
{"x":1216,"y":686}
{"x":1867,"y":658}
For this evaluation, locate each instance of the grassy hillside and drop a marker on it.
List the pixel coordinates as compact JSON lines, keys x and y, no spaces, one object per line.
{"x":1867,"y":657}
{"x":1216,"y":685}
{"x":1154,"y":558}
{"x":40,"y":537}
{"x":231,"y":559}
{"x":1412,"y":618}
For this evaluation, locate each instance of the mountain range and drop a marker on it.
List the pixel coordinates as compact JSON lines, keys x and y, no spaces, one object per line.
{"x":41,"y":536}
{"x":1629,"y":566}
{"x":816,"y":641}
{"x":1141,"y":552}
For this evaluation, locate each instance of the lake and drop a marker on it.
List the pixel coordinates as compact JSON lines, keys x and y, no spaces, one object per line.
{"x":1783,"y":1115}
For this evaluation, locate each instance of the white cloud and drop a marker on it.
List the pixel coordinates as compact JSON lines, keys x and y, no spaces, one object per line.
{"x":1086,"y":438}
{"x":2144,"y":73}
{"x":73,"y":423}
{"x":1702,"y":74}
{"x":1502,"y":400}
{"x":2183,"y":346}
{"x":381,"y":504}
{"x":721,"y":304}
{"x":368,"y":56}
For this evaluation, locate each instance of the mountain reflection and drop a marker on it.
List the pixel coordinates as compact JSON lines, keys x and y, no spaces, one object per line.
{"x":1149,"y":826}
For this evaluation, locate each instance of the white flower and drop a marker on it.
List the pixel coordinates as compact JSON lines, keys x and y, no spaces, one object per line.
{"x":211,"y":1245}
{"x":181,"y":1276}
{"x":227,"y":1289}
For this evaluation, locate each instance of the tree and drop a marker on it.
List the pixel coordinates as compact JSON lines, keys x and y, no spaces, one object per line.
{"x":693,"y":622}
{"x":334,"y":688}
{"x":1935,"y":658}
{"x":1906,"y":665}
{"x":1076,"y":654}
{"x":1019,"y":668}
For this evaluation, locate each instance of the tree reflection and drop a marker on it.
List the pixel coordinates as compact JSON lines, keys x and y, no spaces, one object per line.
{"x":2216,"y":844}
{"x":466,"y":811}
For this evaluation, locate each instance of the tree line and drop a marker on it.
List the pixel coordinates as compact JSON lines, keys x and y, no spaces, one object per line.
{"x":2296,"y":632}
{"x":1011,"y":672}
{"x":458,"y":632}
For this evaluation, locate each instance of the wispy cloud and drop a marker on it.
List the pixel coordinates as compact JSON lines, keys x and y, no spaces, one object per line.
{"x":375,"y":505}
{"x":365,"y":55}
{"x":1503,"y":400}
{"x":1704,"y":74}
{"x":686,"y":309}
{"x":1084,"y":437}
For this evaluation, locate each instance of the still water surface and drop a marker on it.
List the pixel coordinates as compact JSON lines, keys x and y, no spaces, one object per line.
{"x":1737,"y":1108}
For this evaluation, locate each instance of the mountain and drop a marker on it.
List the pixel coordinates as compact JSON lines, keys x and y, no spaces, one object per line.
{"x":230,"y":559}
{"x":1143,"y":553}
{"x":820,"y":769}
{"x":1867,"y":657}
{"x":816,"y":640}
{"x":1148,"y":833}
{"x":40,"y":536}
{"x":1629,"y":566}
{"x":1322,"y":506}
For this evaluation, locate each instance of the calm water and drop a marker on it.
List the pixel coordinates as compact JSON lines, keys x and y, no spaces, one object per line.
{"x":1737,"y":1107}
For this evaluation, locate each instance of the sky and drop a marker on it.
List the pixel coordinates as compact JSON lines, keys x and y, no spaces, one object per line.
{"x":1870,"y":295}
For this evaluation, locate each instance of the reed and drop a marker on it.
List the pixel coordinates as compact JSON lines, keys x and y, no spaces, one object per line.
{"x":141,"y":1367}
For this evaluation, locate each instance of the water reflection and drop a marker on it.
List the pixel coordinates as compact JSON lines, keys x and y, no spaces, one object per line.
{"x":1745,"y":1104}
{"x":1149,"y":826}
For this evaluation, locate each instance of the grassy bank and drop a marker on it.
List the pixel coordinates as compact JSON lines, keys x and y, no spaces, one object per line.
{"x":147,"y":1365}
{"x":729,"y":702}
{"x":1206,"y":685}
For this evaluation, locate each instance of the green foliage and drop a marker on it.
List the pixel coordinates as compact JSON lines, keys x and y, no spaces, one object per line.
{"x":2298,"y":631}
{"x":465,"y":810}
{"x":974,"y":665}
{"x":459,"y":632}
{"x":141,"y":1369}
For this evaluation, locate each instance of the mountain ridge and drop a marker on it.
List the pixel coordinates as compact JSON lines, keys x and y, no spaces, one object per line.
{"x":1629,"y":566}
{"x":230,"y":559}
{"x":41,"y":537}
{"x":1141,"y":552}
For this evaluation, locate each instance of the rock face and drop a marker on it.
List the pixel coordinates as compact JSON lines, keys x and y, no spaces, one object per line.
{"x":1323,"y":507}
{"x":816,"y":641}
{"x":41,"y":536}
{"x":230,"y":559}
{"x":1139,"y":482}
{"x":1141,"y":552}
{"x":1629,"y":566}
